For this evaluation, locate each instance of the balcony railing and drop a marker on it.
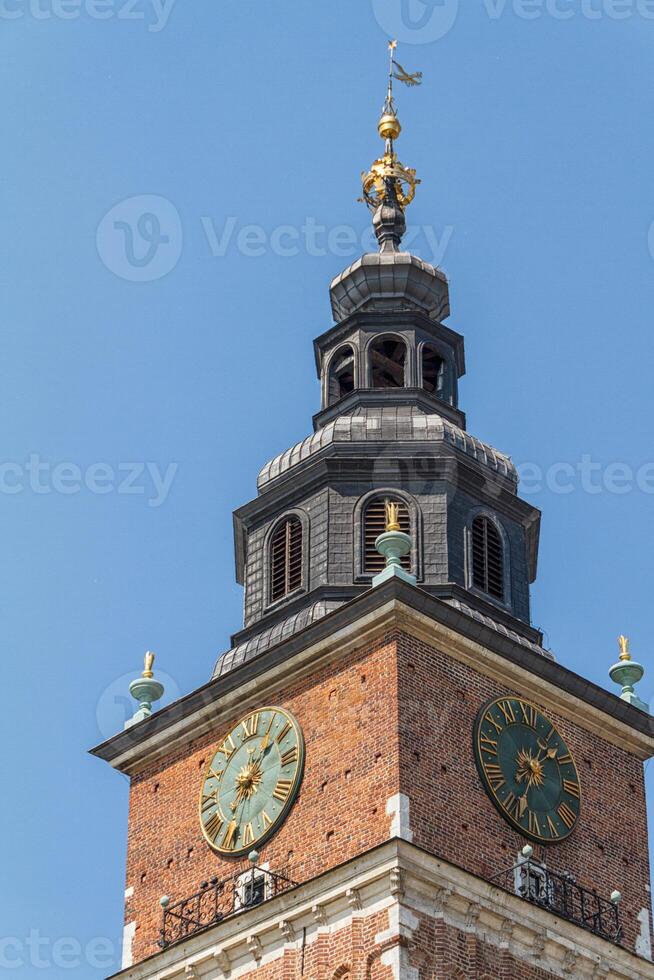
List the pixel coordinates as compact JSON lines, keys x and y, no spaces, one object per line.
{"x":561,"y":895}
{"x":217,"y":900}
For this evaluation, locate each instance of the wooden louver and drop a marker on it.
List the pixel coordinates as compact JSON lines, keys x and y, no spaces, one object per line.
{"x":374,"y":524}
{"x":286,"y":558}
{"x":487,"y":558}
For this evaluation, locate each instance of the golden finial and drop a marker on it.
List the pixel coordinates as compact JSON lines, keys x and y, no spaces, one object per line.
{"x":388,"y":176}
{"x":392,"y":516}
{"x":148,"y":661}
{"x":389,"y":125}
{"x":623,"y":642}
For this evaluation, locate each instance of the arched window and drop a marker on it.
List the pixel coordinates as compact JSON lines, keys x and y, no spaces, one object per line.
{"x":286,"y":558}
{"x":387,"y":362}
{"x":433,"y":371}
{"x":341,"y":374}
{"x":374,"y":524}
{"x":487,"y":558}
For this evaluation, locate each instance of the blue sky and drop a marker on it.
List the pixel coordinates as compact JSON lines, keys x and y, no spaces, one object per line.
{"x":143,"y":389}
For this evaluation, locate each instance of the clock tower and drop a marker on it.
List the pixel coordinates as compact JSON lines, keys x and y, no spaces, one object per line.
{"x":387,"y":776}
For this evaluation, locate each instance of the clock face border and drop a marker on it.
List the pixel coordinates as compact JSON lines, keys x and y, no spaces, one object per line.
{"x":280,"y":820}
{"x":483,"y":777}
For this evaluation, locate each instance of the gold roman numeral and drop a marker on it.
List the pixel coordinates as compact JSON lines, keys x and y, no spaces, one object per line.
{"x":229,"y":840}
{"x":250,"y":726}
{"x":565,"y":759}
{"x":289,"y":756}
{"x":494,"y":775}
{"x":571,"y":788}
{"x":552,"y":827}
{"x":511,"y":805}
{"x":227,"y":747}
{"x":534,"y":826}
{"x":267,"y":822}
{"x":507,"y":710}
{"x":248,"y":834}
{"x":215,"y":775}
{"x":488,"y":745}
{"x":491,"y":721}
{"x":285,"y":730}
{"x":209,"y":799}
{"x":282,"y":790}
{"x":566,"y":815}
{"x":213,"y":826}
{"x":515,"y":806}
{"x":529,"y":714}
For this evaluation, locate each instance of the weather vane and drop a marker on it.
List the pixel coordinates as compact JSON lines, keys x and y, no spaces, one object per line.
{"x":409,"y":78}
{"x":388,"y":180}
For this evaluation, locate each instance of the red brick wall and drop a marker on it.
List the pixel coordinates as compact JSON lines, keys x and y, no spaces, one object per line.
{"x":367,"y":741}
{"x":349,"y":954}
{"x":451,"y":815}
{"x":441,"y":952}
{"x":348,"y":715}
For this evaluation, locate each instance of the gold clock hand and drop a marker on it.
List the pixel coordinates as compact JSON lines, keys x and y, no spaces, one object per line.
{"x":265,"y":742}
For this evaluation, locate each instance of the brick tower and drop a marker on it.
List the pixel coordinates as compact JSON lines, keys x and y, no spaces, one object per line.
{"x":387,"y":775}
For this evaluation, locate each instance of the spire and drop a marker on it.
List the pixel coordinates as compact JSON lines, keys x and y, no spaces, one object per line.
{"x":389,"y":186}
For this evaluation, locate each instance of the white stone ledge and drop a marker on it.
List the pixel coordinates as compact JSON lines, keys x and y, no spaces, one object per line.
{"x":411,"y":885}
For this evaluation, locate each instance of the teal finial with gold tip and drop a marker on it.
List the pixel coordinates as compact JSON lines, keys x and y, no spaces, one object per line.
{"x":393,"y":544}
{"x":146,"y":690}
{"x":627,"y":673}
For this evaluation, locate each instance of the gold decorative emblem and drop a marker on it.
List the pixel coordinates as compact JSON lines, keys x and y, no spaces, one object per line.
{"x":392,"y":516}
{"x":385,"y":169}
{"x":623,"y":642}
{"x":388,"y":177}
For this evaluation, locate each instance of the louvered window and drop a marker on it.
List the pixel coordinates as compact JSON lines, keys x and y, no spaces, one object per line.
{"x":374,"y":524}
{"x":286,"y":558}
{"x":487,"y":558}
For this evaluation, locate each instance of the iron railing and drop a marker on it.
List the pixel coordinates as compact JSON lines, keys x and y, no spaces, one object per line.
{"x":561,"y":895}
{"x":217,"y":900}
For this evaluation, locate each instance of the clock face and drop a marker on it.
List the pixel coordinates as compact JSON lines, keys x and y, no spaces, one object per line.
{"x":252,"y":781}
{"x":527,"y":770}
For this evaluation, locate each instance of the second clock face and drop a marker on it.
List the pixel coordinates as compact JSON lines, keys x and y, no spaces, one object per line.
{"x":252,"y":781}
{"x":527,"y":769}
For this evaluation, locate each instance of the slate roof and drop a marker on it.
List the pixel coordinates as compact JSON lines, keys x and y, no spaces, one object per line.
{"x":270,"y":637}
{"x":379,"y":280}
{"x":369,"y":424}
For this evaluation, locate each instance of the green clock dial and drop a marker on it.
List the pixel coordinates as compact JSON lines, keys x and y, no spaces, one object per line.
{"x":252,"y":781}
{"x":527,"y":769}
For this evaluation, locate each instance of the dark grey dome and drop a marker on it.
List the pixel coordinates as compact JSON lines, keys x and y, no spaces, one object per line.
{"x":390,"y":280}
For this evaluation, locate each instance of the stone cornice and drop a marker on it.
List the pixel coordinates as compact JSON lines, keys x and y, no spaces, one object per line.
{"x":402,"y":876}
{"x":389,"y":397}
{"x":394,"y":605}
